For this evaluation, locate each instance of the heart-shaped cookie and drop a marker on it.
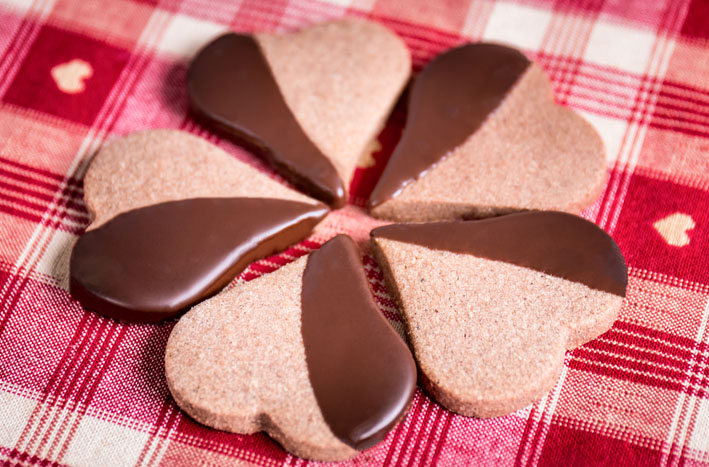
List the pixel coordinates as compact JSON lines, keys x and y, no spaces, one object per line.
{"x":492,"y":305}
{"x":485,"y":137}
{"x":303,"y":354}
{"x":174,"y":220}
{"x":310,"y":102}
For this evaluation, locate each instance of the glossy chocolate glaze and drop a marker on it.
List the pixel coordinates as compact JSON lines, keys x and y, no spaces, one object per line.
{"x":448,"y":102}
{"x":555,"y":243}
{"x":152,"y":263}
{"x":230,"y":84}
{"x":361,"y":371}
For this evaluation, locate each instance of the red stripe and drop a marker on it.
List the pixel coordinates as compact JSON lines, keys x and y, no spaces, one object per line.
{"x":601,"y":97}
{"x":42,"y":196}
{"x":650,"y":119}
{"x":254,"y":448}
{"x":415,"y":421}
{"x":559,"y":63}
{"x":678,"y":129}
{"x":156,"y":426}
{"x":247,"y":276}
{"x":413,"y":414}
{"x":692,"y":100}
{"x":653,"y":123}
{"x":622,"y":374}
{"x":56,"y":379}
{"x":29,"y":180}
{"x":76,"y":389}
{"x":638,"y":354}
{"x":25,"y":459}
{"x":630,"y":364}
{"x":39,"y":219}
{"x":376,"y":287}
{"x":19,"y":213}
{"x":24,"y":202}
{"x":44,"y":172}
{"x":311,"y":245}
{"x":95,"y":378}
{"x":442,"y":438}
{"x":434,"y":427}
{"x":89,"y":358}
{"x":634,"y":116}
{"x":296,"y":252}
{"x":643,"y":340}
{"x":528,"y":426}
{"x":386,"y":302}
{"x":279,"y":260}
{"x":375,"y":274}
{"x":19,"y":39}
{"x":78,"y":218}
{"x":699,"y":374}
{"x":657,"y":334}
{"x":651,"y":343}
{"x":419,"y":30}
{"x":77,"y":341}
{"x":14,"y":291}
{"x":422,"y":433}
{"x":262,"y":268}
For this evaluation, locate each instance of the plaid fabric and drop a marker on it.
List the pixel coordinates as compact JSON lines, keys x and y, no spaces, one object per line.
{"x":78,"y":389}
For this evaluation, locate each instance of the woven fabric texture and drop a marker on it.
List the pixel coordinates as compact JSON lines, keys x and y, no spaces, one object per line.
{"x":79,"y":389}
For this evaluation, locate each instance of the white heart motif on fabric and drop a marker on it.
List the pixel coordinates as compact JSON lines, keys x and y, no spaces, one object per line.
{"x":366,"y":160}
{"x":70,"y":76}
{"x":674,"y":228}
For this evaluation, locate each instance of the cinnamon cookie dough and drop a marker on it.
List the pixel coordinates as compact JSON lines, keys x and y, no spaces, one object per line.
{"x":174,"y":220}
{"x":310,"y":102}
{"x":492,"y":305}
{"x":484,"y":137}
{"x":303,"y":354}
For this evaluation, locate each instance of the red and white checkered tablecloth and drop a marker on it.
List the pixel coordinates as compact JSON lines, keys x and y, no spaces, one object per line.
{"x":79,"y":389}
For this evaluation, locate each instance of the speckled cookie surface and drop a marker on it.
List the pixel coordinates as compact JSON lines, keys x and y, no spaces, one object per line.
{"x":155,"y":166}
{"x":231,"y":361}
{"x":277,"y":355}
{"x":522,"y":150}
{"x":174,"y":220}
{"x":309,"y":102}
{"x":341,"y":79}
{"x":490,"y":335}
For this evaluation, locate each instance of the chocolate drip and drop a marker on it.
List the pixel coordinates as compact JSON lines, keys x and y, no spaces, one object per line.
{"x":230,"y":84}
{"x":362,"y":373}
{"x":555,"y":243}
{"x":448,"y":102}
{"x":151,"y":263}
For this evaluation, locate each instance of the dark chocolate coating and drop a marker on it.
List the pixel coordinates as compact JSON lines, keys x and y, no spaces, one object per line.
{"x":231,"y":85}
{"x":152,"y":263}
{"x":362,"y":373}
{"x":449,"y":100}
{"x":555,"y":243}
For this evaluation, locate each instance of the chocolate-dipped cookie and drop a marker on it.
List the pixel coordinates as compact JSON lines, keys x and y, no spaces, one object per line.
{"x":303,"y":354}
{"x":492,"y":305}
{"x":485,"y":137}
{"x":174,"y":220}
{"x":310,"y":102}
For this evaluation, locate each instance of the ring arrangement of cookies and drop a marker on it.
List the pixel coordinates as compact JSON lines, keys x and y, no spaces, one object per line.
{"x":495,"y":274}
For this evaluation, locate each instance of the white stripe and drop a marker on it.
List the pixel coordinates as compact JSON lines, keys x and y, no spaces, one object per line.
{"x":672,"y":433}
